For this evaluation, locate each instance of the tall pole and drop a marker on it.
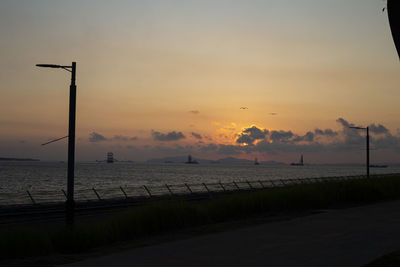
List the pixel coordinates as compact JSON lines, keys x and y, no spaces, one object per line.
{"x":367,"y":143}
{"x":70,"y":204}
{"x":367,"y":152}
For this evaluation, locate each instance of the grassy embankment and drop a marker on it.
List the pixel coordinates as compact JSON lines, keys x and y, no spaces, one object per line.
{"x":170,"y":215}
{"x":389,"y":260}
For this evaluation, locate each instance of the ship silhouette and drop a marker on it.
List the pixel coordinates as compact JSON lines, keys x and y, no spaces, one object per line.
{"x":300,"y":163}
{"x":191,"y":161}
{"x":110,"y":157}
{"x":256,"y":162}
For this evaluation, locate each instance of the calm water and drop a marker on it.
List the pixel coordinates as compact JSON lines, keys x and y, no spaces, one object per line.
{"x":45,"y":180}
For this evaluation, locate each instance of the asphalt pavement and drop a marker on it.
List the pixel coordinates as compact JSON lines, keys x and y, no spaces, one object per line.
{"x":346,"y":237}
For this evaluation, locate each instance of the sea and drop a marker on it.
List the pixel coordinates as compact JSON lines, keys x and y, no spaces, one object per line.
{"x":25,"y":182}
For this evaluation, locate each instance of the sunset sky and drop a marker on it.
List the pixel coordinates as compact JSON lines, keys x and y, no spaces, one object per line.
{"x":213,"y":78}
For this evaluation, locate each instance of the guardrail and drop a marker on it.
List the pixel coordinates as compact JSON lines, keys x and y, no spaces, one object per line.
{"x":156,"y":191}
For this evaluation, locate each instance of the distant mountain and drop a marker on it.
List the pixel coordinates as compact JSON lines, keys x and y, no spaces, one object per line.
{"x":18,"y":159}
{"x":272,"y":162}
{"x":179,"y":159}
{"x":232,"y":160}
{"x":228,"y":160}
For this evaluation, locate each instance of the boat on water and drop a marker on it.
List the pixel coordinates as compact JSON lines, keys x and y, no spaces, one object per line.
{"x":256,"y":162}
{"x":110,"y":157}
{"x":191,"y":161}
{"x":300,"y":163}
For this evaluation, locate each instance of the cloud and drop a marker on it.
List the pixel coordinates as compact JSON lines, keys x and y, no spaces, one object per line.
{"x":96,"y":137}
{"x":124,"y":138}
{"x":378,"y":129}
{"x":196,"y":135}
{"x":244,"y":139}
{"x":251,"y":134}
{"x":281,"y":136}
{"x":209,"y":148}
{"x":229,"y":150}
{"x":308,"y":137}
{"x":279,"y":147}
{"x":195,"y":112}
{"x":388,"y":141}
{"x":173,"y":150}
{"x":352,"y":137}
{"x":262,"y":141}
{"x":256,"y":133}
{"x":120,"y":138}
{"x":281,"y":141}
{"x":171,"y":136}
{"x":344,"y":123}
{"x":326,"y":132}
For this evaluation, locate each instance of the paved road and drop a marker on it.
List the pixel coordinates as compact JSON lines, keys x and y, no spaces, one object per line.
{"x":350,"y":237}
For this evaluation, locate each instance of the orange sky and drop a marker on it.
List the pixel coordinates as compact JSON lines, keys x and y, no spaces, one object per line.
{"x":143,"y":66}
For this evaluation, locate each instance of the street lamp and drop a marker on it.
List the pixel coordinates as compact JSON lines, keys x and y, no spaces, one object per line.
{"x":70,"y":203}
{"x":367,"y":141}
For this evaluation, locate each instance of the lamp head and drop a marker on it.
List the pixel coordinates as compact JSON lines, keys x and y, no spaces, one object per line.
{"x":48,"y":66}
{"x":356,"y":127}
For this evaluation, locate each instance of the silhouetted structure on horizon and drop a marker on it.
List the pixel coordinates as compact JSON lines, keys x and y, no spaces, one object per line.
{"x":110,"y":157}
{"x":300,"y":163}
{"x":191,"y":161}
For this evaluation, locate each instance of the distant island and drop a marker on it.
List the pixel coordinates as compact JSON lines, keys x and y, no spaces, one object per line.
{"x":228,"y":160}
{"x":18,"y":159}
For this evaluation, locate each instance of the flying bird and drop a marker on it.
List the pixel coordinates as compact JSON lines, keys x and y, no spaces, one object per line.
{"x":244,"y":108}
{"x":273,"y":113}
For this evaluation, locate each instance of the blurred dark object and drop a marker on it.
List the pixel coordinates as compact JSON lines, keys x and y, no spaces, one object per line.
{"x":393,"y":7}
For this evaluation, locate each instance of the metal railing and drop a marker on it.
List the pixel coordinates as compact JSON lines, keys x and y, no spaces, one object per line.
{"x":157,"y":191}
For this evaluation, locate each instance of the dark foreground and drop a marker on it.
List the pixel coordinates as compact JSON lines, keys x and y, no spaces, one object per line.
{"x":346,"y":237}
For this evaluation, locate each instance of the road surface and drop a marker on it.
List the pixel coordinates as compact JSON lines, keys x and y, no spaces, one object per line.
{"x":347,"y":237}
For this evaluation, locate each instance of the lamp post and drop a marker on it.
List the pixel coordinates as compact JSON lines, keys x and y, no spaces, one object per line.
{"x":367,"y":144}
{"x":70,"y":203}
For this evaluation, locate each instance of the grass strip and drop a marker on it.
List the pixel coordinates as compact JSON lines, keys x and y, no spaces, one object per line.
{"x":170,"y":215}
{"x":388,"y":260}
